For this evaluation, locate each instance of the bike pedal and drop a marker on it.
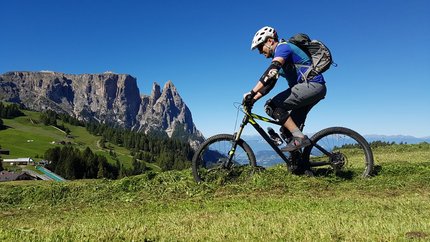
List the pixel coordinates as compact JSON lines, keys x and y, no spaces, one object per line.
{"x":274,"y":136}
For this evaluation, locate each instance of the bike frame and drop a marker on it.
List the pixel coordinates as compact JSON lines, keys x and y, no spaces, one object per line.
{"x":251,"y":118}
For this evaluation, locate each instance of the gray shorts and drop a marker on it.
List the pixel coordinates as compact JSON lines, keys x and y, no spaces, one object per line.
{"x":299,"y":100}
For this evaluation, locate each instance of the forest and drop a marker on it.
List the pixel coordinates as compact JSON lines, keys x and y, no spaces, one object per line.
{"x":156,"y":147}
{"x":77,"y":163}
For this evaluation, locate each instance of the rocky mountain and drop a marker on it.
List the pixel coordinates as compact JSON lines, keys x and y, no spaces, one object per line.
{"x":107,"y":98}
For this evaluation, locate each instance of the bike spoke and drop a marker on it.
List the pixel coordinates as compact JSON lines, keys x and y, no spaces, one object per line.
{"x":344,"y":150}
{"x":212,"y":159}
{"x":218,"y":154}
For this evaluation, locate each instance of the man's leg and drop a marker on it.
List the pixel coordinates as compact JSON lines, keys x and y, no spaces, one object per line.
{"x":292,"y":127}
{"x":298,"y":166}
{"x":302,"y":98}
{"x":301,"y":95}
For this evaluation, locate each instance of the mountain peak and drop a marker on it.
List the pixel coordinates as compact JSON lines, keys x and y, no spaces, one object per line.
{"x":169,"y":85}
{"x":156,"y":92}
{"x":108,"y":97}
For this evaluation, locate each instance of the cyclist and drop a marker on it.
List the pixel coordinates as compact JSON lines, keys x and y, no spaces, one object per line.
{"x":291,"y":106}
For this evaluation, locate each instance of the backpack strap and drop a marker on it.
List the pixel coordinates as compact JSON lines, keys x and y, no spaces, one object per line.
{"x":304,"y":75}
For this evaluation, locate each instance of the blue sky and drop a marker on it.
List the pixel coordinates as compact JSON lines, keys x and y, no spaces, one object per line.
{"x":381,"y":84}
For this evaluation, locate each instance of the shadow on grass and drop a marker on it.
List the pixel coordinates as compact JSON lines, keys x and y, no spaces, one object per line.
{"x":224,"y":176}
{"x":376,"y":170}
{"x":4,"y":127}
{"x":345,"y":174}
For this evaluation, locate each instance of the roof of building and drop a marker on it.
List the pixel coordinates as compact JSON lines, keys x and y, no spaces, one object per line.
{"x":18,"y":160}
{"x":12,"y":176}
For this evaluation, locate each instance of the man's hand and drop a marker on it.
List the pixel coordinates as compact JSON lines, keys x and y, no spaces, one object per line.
{"x":248,"y":100}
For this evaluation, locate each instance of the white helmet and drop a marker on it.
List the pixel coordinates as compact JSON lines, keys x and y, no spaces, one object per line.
{"x":262,"y":35}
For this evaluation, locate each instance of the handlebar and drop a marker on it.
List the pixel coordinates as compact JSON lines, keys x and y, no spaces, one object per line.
{"x":247,"y":107}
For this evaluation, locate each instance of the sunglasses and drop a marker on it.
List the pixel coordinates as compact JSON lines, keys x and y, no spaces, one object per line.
{"x":260,"y":47}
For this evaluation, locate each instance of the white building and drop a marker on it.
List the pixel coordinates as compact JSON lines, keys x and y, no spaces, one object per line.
{"x":19,"y":161}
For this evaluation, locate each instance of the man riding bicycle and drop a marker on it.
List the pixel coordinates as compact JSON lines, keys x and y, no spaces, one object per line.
{"x":290,"y":107}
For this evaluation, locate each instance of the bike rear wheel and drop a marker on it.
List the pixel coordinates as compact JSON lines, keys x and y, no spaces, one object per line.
{"x":208,"y":161}
{"x":344,"y":151}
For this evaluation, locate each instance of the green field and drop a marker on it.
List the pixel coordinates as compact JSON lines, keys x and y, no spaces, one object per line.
{"x":27,"y":137}
{"x":269,"y":205}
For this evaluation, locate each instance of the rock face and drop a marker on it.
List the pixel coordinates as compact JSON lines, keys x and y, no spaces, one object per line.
{"x":107,"y":98}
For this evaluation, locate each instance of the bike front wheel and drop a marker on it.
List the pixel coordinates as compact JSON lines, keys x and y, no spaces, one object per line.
{"x":342,"y":150}
{"x":209,"y":161}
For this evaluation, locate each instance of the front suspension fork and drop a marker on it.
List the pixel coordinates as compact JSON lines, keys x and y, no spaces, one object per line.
{"x":237,"y":135}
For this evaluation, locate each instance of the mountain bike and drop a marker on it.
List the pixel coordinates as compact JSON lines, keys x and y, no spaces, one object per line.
{"x":339,"y":150}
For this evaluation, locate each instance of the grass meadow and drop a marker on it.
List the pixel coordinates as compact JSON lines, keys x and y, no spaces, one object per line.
{"x":270,"y":205}
{"x":26,"y":136}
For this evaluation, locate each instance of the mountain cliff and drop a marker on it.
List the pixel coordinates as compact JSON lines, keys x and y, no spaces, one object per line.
{"x":107,"y":98}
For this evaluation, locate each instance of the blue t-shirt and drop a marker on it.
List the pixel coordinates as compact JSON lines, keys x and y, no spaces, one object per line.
{"x":293,"y":55}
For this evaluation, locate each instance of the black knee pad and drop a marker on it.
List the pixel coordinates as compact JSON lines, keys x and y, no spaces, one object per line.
{"x":277,"y":113}
{"x":269,"y":107}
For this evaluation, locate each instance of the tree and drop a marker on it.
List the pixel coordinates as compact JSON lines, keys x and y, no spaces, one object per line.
{"x":71,"y":163}
{"x":138,"y":167}
{"x":1,"y":124}
{"x":53,"y":155}
{"x":49,"y":117}
{"x":10,"y":111}
{"x":101,"y":170}
{"x":166,"y":161}
{"x":102,"y":143}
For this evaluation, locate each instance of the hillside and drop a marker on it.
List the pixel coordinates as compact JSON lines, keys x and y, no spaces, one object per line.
{"x":267,"y":205}
{"x":26,"y":136}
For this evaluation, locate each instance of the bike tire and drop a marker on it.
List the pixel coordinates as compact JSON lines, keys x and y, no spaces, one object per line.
{"x":352,"y":155}
{"x":211,"y":153}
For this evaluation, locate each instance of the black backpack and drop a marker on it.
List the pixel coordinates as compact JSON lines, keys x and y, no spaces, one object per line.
{"x":317,"y":52}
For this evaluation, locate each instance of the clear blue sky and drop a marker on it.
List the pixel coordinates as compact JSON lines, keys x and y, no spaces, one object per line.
{"x":381,"y":84}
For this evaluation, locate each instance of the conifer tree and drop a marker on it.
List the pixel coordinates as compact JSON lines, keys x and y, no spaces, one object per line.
{"x":1,"y":163}
{"x":101,"y":171}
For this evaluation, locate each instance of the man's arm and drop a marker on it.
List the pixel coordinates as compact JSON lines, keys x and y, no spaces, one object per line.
{"x":267,"y":80}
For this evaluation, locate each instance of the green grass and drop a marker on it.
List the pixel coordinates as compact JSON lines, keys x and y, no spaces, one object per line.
{"x":269,"y":205}
{"x":26,"y":137}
